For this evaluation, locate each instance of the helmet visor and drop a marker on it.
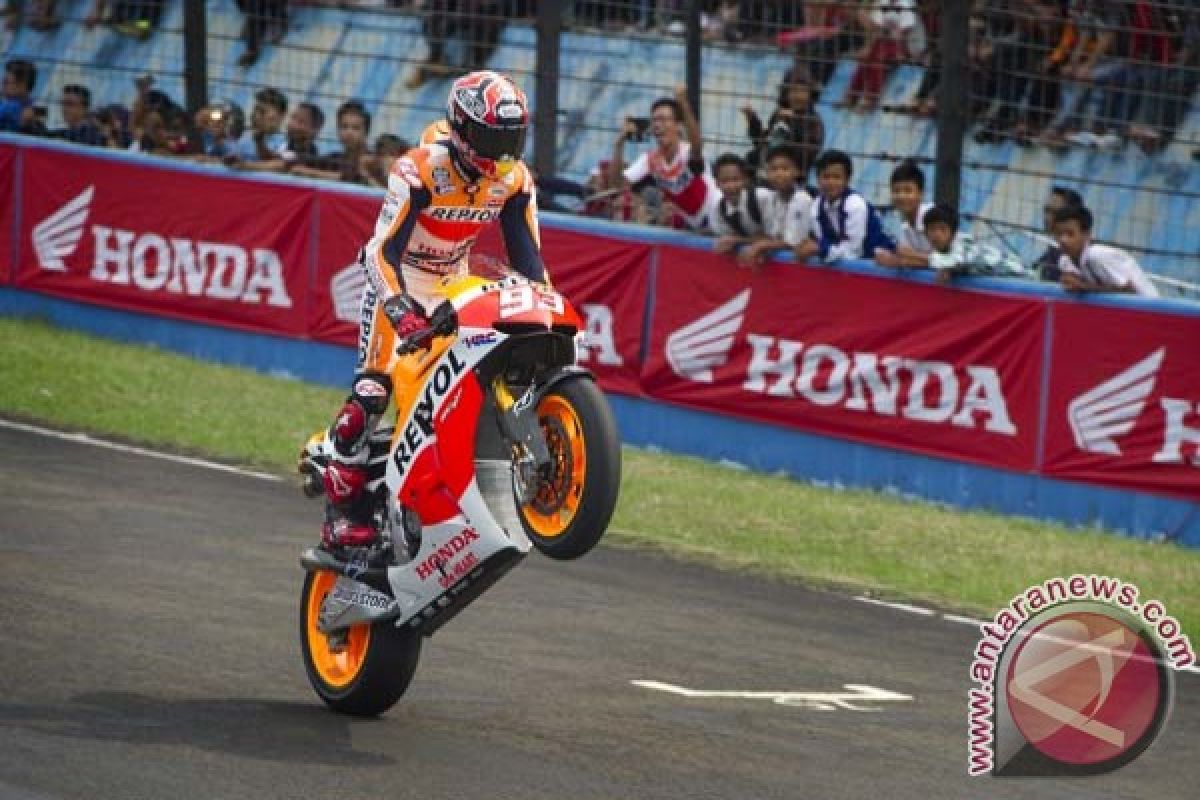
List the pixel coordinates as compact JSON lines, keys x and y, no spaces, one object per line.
{"x":495,"y":143}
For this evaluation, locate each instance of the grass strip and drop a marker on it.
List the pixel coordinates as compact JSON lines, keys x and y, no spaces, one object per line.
{"x":690,"y":508}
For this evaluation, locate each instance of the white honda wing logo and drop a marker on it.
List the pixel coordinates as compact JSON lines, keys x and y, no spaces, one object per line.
{"x":1112,"y":408}
{"x":57,"y":236}
{"x":346,"y":288}
{"x":695,"y":349}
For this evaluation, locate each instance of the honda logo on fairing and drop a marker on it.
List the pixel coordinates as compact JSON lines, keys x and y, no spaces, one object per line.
{"x":697,"y":348}
{"x":1112,"y":408}
{"x":446,"y":553}
{"x":154,"y":263}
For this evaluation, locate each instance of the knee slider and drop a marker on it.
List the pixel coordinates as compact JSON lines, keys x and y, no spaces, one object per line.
{"x":372,"y":391}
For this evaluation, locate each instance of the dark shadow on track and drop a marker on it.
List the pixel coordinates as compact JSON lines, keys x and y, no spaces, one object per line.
{"x":269,"y":731}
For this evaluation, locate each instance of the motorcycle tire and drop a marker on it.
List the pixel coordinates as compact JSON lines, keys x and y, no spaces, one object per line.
{"x":571,"y":506}
{"x":366,"y":675}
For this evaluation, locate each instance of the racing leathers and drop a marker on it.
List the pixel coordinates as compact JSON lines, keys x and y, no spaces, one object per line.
{"x":435,"y":208}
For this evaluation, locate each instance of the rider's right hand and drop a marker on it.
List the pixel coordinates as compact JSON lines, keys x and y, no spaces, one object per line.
{"x":408,"y":318}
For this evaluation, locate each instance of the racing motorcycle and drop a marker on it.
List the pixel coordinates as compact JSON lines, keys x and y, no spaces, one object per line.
{"x":500,"y":444}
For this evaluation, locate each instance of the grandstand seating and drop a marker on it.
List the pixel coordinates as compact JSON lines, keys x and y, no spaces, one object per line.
{"x":605,"y":78}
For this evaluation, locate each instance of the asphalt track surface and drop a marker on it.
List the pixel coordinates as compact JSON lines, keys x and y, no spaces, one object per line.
{"x":148,"y":649}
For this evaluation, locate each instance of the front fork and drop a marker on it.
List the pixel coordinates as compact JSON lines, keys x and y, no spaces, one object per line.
{"x":519,"y":423}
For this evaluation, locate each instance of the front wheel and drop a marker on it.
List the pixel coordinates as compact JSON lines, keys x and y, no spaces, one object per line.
{"x":362,"y":671}
{"x":574,"y":500}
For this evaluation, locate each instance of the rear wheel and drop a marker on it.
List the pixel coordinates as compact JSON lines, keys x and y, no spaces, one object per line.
{"x":362,"y":671}
{"x":573,"y":501}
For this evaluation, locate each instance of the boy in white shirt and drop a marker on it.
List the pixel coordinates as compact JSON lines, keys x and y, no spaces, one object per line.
{"x":786,"y":211}
{"x":1089,"y":267}
{"x":912,"y":248}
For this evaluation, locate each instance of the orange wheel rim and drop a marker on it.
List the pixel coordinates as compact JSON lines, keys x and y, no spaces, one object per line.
{"x":557,"y":497}
{"x":337,"y":668}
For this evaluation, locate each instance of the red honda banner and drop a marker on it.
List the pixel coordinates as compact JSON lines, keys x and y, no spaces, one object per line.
{"x":606,"y":280}
{"x":882,"y":361}
{"x":212,"y":249}
{"x":8,"y":199}
{"x":346,"y":221}
{"x":1125,"y":410}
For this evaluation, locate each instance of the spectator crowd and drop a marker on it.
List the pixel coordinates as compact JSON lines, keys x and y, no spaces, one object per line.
{"x":1054,"y":73}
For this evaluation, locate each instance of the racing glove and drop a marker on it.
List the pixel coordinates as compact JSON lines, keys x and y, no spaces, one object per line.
{"x":409,"y":320}
{"x":406,"y":314}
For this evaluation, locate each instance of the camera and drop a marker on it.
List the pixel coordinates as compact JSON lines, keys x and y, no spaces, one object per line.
{"x":641,"y":124}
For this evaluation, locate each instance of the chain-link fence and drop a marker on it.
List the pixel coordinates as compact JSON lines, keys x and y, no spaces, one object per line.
{"x":1091,"y":96}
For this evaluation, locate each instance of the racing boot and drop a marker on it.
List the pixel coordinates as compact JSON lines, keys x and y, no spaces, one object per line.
{"x":349,"y":515}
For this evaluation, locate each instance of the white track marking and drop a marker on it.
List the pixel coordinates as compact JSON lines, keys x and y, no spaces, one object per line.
{"x":83,"y":438}
{"x":857,"y":697}
{"x":975,"y":623}
{"x":924,"y":612}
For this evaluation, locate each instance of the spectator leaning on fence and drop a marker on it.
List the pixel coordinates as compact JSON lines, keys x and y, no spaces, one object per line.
{"x":956,"y":253}
{"x":1060,"y":197}
{"x":77,"y":122}
{"x":378,"y":165}
{"x":843,"y":224}
{"x":738,"y":218}
{"x":1090,"y":267}
{"x":113,"y":122}
{"x":908,"y":199}
{"x":675,"y":166}
{"x":265,"y":140}
{"x":786,"y":212}
{"x":349,"y":164}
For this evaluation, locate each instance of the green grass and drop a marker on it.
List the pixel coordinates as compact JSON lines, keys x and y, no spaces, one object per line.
{"x":690,"y":508}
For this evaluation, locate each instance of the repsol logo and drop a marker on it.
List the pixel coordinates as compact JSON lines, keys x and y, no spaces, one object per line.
{"x":420,"y":424}
{"x":463,"y":214}
{"x":366,"y":316}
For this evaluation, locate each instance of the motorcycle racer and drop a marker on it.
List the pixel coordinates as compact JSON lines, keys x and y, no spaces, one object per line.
{"x":435,"y":131}
{"x":440,"y":196}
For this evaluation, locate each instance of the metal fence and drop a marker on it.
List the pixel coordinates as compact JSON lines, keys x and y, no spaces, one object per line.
{"x":997,"y":100}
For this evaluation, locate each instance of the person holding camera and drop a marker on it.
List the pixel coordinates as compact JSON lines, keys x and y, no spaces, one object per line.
{"x":675,"y":166}
{"x":217,"y":128}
